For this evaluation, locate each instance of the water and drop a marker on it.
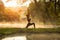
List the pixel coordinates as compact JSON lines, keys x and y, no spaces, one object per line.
{"x":42,"y":36}
{"x":15,"y":38}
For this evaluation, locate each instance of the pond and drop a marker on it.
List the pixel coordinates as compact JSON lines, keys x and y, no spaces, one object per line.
{"x":15,"y":38}
{"x":41,"y":36}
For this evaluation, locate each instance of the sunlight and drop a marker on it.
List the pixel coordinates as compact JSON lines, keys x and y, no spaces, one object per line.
{"x":10,"y":3}
{"x":15,"y":3}
{"x":18,"y":6}
{"x":15,"y":38}
{"x":27,"y":3}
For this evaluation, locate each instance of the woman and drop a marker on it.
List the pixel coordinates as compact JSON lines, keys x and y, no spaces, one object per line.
{"x":29,"y":21}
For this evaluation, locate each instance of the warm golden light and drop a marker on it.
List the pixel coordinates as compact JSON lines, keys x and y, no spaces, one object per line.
{"x":10,"y":3}
{"x":15,"y":3}
{"x":16,"y":6}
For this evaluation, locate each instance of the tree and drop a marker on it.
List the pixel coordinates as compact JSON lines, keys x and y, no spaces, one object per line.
{"x":1,"y":11}
{"x":8,"y":15}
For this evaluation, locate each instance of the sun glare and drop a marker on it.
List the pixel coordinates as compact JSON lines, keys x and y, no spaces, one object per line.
{"x":9,"y":3}
{"x":15,"y":38}
{"x":15,"y":3}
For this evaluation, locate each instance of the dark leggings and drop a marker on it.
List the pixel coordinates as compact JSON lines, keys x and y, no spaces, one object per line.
{"x":29,"y":24}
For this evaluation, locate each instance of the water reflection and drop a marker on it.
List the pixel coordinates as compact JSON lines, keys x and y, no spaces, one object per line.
{"x":15,"y":38}
{"x":43,"y":36}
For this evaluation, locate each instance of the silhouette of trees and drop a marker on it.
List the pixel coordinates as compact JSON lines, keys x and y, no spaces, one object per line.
{"x":45,"y":11}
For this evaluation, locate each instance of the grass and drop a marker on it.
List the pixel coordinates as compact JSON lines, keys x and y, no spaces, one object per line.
{"x":29,"y":30}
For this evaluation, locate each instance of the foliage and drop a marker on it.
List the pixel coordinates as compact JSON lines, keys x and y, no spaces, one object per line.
{"x":46,"y":12}
{"x":7,"y":14}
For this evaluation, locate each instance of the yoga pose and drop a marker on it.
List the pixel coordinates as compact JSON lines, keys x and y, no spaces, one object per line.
{"x":29,"y":21}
